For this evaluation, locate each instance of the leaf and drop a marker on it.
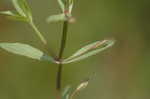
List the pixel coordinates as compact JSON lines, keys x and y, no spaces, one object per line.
{"x":66,"y":93}
{"x":71,"y":3}
{"x":23,"y":8}
{"x":80,"y":87}
{"x":13,"y":15}
{"x":9,"y":13}
{"x":56,"y":18}
{"x":16,"y":4}
{"x":89,"y":50}
{"x":69,"y":92}
{"x":18,"y":18}
{"x":25,"y":50}
{"x":62,"y":5}
{"x":27,"y":10}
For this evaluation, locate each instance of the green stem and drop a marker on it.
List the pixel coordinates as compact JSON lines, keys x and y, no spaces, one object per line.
{"x":59,"y":77}
{"x":64,"y":38}
{"x":38,"y":33}
{"x":62,"y":47}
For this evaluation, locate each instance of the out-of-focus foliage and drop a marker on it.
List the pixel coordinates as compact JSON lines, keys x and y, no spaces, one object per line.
{"x":122,"y":72}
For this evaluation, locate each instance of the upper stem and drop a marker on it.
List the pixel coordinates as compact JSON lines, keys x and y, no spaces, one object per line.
{"x":61,"y":51}
{"x":64,"y":39}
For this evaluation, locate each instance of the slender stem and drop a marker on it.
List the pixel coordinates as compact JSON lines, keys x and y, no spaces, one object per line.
{"x":59,"y":77}
{"x":62,"y":47}
{"x":64,"y":38}
{"x":38,"y":33}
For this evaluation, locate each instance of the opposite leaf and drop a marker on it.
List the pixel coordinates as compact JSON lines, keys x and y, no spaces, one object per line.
{"x":89,"y":50}
{"x":25,"y":50}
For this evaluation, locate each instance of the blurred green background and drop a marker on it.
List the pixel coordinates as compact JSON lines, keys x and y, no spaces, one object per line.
{"x":122,"y":72}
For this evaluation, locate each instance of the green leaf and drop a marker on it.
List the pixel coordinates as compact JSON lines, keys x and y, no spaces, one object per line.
{"x":56,"y":18}
{"x":18,"y":18}
{"x":16,"y":4}
{"x":62,"y":5}
{"x":66,"y":93}
{"x":13,"y":15}
{"x":89,"y":50}
{"x":9,"y":13}
{"x":71,"y":3}
{"x":69,"y":92}
{"x":26,"y":9}
{"x":23,"y":8}
{"x":80,"y":87}
{"x":25,"y":50}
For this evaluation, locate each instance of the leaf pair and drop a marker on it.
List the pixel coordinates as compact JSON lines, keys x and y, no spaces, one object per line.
{"x":84,"y":52}
{"x":23,"y":12}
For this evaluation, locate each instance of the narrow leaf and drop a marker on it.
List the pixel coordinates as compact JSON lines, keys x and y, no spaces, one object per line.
{"x":69,"y":92}
{"x":13,"y":15}
{"x":80,"y":87}
{"x":26,"y":9}
{"x":62,"y":5}
{"x":66,"y":93}
{"x":9,"y":13}
{"x":56,"y":18}
{"x":23,"y":8}
{"x":16,"y":4}
{"x":18,"y":18}
{"x":89,"y":50}
{"x":71,"y":3}
{"x":25,"y":50}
